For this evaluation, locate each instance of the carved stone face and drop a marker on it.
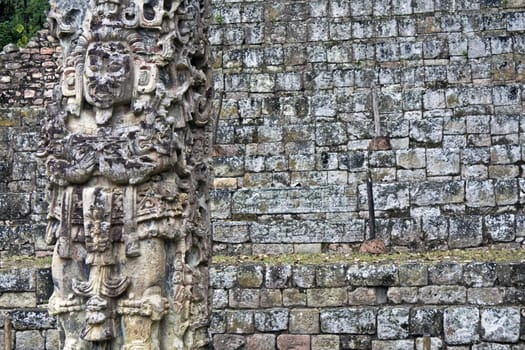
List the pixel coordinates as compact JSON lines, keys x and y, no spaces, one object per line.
{"x":108,"y":74}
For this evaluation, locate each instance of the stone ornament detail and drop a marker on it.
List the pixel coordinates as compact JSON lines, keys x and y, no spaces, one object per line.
{"x":127,"y":147}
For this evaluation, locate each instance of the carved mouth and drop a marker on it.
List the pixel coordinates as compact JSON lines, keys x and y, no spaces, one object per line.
{"x":104,"y":95}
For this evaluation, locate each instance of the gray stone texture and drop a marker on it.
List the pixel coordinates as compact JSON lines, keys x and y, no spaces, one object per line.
{"x":449,"y":77}
{"x":500,"y":324}
{"x":348,"y":320}
{"x":457,"y":304}
{"x":294,"y":79}
{"x":461,"y":325}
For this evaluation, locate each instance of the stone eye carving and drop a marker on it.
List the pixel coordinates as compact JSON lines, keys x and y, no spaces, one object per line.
{"x":72,"y":90}
{"x":130,"y":16}
{"x":146,"y":78}
{"x":152,"y":13}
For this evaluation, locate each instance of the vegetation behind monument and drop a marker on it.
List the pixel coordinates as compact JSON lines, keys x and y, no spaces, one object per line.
{"x":20,"y":19}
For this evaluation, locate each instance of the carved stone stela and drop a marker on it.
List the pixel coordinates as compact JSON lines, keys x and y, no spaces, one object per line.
{"x":127,"y":147}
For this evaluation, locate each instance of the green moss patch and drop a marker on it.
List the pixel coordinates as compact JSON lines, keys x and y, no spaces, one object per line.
{"x":24,"y":262}
{"x":457,"y":255}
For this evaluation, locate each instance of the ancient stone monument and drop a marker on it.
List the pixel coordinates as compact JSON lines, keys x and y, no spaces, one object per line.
{"x":127,"y":147}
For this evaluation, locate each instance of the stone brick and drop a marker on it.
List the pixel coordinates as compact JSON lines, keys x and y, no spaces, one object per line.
{"x":304,"y":321}
{"x":373,"y":275}
{"x":503,"y":171}
{"x":461,"y":325}
{"x":239,"y":321}
{"x":28,"y":319}
{"x":359,"y":342}
{"x":271,"y":320}
{"x":427,"y":131}
{"x":29,"y":340}
{"x":293,"y":342}
{"x":14,"y":206}
{"x":391,"y":196}
{"x":235,"y":232}
{"x":294,"y":297}
{"x":362,"y":296}
{"x":500,"y":324}
{"x":500,"y":227}
{"x":403,"y":295}
{"x":506,"y":191}
{"x":435,"y":193}
{"x":485,"y":296}
{"x":435,"y":228}
{"x":465,"y":232}
{"x":271,"y":298}
{"x":217,"y":322}
{"x":222,"y":276}
{"x":443,"y":162}
{"x":491,"y":346}
{"x":412,"y":158}
{"x":325,"y":342}
{"x":413,"y":274}
{"x":435,"y":344}
{"x":278,"y":276}
{"x":507,"y":124}
{"x":314,"y":248}
{"x":506,"y":95}
{"x":348,"y":320}
{"x":323,"y":297}
{"x":19,"y":280}
{"x":261,"y":342}
{"x":511,"y":274}
{"x":275,"y":201}
{"x":479,"y":172}
{"x":392,"y":344}
{"x":480,"y":193}
{"x":219,"y":298}
{"x":353,"y":161}
{"x":447,"y":273}
{"x":442,"y":295}
{"x":479,"y":274}
{"x":220,"y":203}
{"x":18,"y":300}
{"x":505,"y":154}
{"x":426,"y":320}
{"x":393,"y":323}
{"x":250,"y":275}
{"x":333,"y":275}
{"x":304,"y":276}
{"x":244,"y":298}
{"x":228,"y":342}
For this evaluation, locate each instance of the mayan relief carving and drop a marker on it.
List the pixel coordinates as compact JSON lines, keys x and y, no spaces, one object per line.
{"x":127,"y":146}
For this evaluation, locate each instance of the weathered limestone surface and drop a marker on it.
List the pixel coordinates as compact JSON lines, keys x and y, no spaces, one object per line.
{"x":386,"y":314}
{"x":293,"y":81}
{"x":295,"y":123}
{"x":126,"y":143}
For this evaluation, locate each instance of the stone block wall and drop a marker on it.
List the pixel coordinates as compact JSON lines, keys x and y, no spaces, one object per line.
{"x":27,"y":79}
{"x":24,"y":292}
{"x":382,"y":306}
{"x":23,"y":201}
{"x":28,"y":75}
{"x":293,"y":92}
{"x":293,"y":85}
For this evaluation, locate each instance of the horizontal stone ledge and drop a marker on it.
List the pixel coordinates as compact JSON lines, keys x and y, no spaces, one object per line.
{"x":289,"y":231}
{"x":466,"y":269}
{"x":295,"y":200}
